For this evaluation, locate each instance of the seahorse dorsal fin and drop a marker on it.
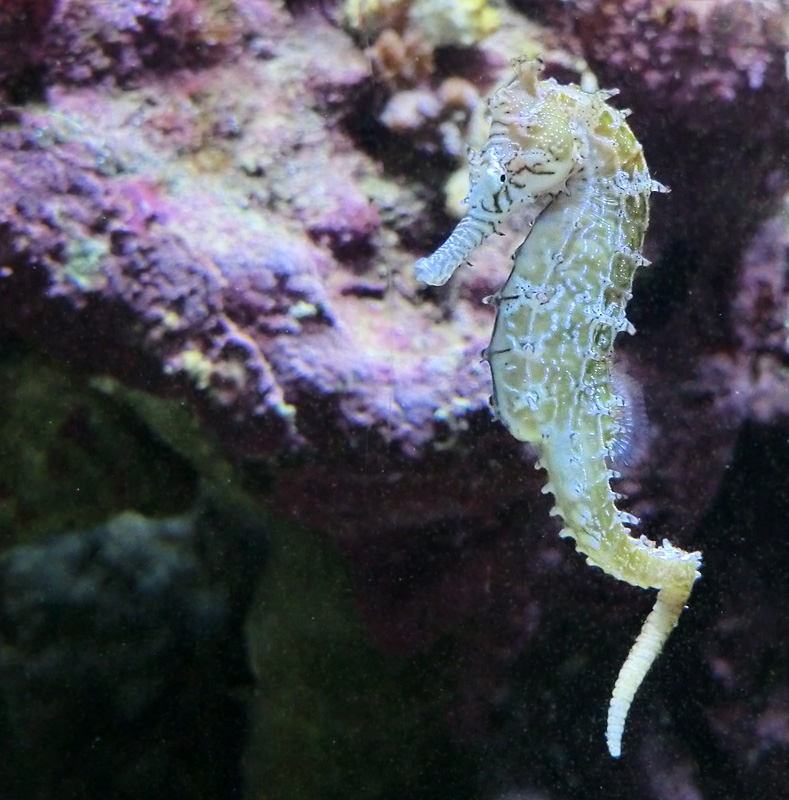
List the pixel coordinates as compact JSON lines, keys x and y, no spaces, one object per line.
{"x":528,"y":71}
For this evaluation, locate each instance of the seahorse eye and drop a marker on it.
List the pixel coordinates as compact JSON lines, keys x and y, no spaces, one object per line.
{"x":494,"y":177}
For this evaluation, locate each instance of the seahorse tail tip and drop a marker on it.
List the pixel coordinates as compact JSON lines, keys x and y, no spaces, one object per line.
{"x":615,"y":744}
{"x":656,"y":629}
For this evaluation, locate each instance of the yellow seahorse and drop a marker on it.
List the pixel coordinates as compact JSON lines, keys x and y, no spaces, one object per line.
{"x":569,"y":160}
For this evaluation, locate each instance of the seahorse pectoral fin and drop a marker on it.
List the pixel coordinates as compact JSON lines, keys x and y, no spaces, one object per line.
{"x":656,"y":629}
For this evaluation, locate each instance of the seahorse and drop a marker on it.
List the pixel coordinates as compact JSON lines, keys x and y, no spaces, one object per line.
{"x":570,"y":161}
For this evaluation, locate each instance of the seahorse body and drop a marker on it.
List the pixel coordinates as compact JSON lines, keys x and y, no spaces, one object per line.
{"x":570,"y":159}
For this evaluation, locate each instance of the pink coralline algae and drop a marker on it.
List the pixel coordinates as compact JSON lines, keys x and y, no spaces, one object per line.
{"x":761,"y":316}
{"x":212,"y":238}
{"x":691,"y":55}
{"x":86,"y":42}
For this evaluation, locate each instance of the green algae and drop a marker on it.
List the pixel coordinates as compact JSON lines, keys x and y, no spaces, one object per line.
{"x":333,"y":717}
{"x":84,"y":261}
{"x":71,"y":455}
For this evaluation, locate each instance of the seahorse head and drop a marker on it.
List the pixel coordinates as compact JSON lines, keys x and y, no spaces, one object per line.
{"x":531,"y":149}
{"x":528,"y":158}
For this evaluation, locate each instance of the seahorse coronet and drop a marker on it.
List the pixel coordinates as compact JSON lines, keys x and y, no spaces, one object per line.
{"x":570,"y":162}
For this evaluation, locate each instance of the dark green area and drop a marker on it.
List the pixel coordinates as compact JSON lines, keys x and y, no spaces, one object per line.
{"x":336,"y":719}
{"x":332,"y":717}
{"x":73,"y":454}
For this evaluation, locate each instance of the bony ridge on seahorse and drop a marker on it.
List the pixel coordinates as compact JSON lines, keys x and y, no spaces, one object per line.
{"x":571,"y":162}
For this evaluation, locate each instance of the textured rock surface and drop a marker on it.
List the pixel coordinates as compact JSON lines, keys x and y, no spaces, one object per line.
{"x":217,"y":202}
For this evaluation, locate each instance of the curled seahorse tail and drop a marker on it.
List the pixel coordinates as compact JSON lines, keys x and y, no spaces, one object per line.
{"x":656,"y":629}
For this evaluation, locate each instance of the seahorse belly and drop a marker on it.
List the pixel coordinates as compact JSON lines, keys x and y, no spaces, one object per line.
{"x":571,"y":159}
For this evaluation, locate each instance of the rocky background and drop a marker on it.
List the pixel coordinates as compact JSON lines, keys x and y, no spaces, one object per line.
{"x":261,"y":536}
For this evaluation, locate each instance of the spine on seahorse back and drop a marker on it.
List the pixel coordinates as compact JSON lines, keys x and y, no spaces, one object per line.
{"x":572,"y":159}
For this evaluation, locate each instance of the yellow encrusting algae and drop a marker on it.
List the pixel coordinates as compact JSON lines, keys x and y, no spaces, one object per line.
{"x":441,"y":23}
